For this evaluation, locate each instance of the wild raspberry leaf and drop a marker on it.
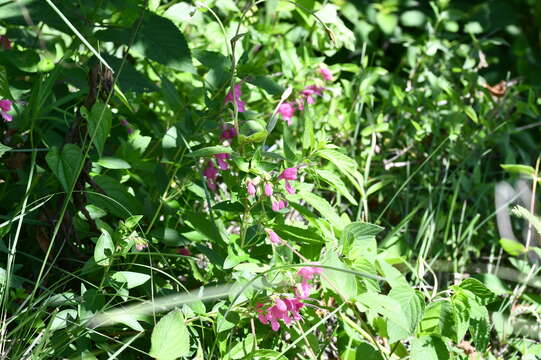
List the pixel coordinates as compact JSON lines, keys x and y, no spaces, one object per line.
{"x":412,"y":308}
{"x":429,"y":348}
{"x":360,"y":234}
{"x":170,"y":338}
{"x":341,"y":282}
{"x":479,"y":290}
{"x":65,"y":164}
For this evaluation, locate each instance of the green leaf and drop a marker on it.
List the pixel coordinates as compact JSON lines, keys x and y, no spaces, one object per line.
{"x":267,"y":84}
{"x":297,"y":234}
{"x":3,"y":149}
{"x":242,"y":349}
{"x":325,"y":209}
{"x":336,"y":182}
{"x":385,"y":306}
{"x":387,"y":22}
{"x":117,"y":201}
{"x":344,"y":164}
{"x":63,"y":318}
{"x":360,"y":233}
{"x":479,"y":326}
{"x":114,"y":163}
{"x":99,"y":125}
{"x":479,"y":290}
{"x":65,"y":165}
{"x":512,"y":247}
{"x":211,"y":150}
{"x":527,"y":215}
{"x":471,"y":114}
{"x":429,"y":348}
{"x":104,"y":249}
{"x":4,"y":84}
{"x":341,"y":282}
{"x":130,"y":278}
{"x":170,"y":338}
{"x":412,"y":306}
{"x":414,"y":18}
{"x":519,"y":169}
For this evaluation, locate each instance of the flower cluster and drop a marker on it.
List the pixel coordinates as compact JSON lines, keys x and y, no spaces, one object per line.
{"x":286,"y":309}
{"x":5,"y":106}
{"x":234,"y":96}
{"x":211,"y":172}
{"x":306,"y":274}
{"x":308,"y":94}
{"x":277,"y":204}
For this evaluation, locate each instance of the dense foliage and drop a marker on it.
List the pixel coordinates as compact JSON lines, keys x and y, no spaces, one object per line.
{"x":269,"y":179}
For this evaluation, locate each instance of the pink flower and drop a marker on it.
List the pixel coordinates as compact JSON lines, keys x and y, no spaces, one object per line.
{"x":5,"y":106}
{"x":220,"y":158}
{"x":288,"y":174}
{"x":325,"y":73}
{"x":228,"y":133}
{"x":290,"y":189}
{"x":237,"y":93}
{"x":308,"y":272}
{"x":184,"y":251}
{"x":310,"y":91}
{"x":287,"y":110}
{"x":211,"y":173}
{"x":250,"y":188}
{"x":275,"y":206}
{"x":5,"y":42}
{"x":303,"y":291}
{"x":286,"y":309}
{"x":126,"y":124}
{"x":281,"y":204}
{"x":140,"y":247}
{"x":268,"y":189}
{"x":273,"y":237}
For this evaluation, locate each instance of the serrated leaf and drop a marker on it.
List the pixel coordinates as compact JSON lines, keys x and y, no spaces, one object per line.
{"x":170,"y":338}
{"x":99,"y":125}
{"x":479,"y":290}
{"x":104,"y":249}
{"x":324,"y":208}
{"x":429,"y":348}
{"x":344,"y":164}
{"x":211,"y":150}
{"x":412,"y":306}
{"x":362,"y":234}
{"x":341,"y":282}
{"x":336,"y":182}
{"x":65,"y":164}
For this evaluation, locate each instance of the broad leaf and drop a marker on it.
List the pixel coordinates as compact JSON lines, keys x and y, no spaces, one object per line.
{"x":104,"y":249}
{"x":170,"y":338}
{"x":65,"y":164}
{"x":99,"y":125}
